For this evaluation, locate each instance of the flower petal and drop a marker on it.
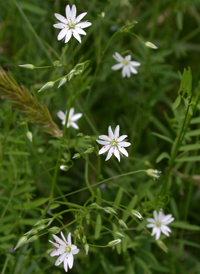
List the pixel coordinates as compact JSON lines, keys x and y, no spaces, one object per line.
{"x":134,"y":64}
{"x":74,"y":125}
{"x":121,"y":138}
{"x":116,"y":134}
{"x":73,"y":13}
{"x":69,"y":240}
{"x":71,"y":113}
{"x":158,"y":232}
{"x":84,"y":24}
{"x":68,"y":13}
{"x":110,"y":133}
{"x":62,"y":235}
{"x":65,"y":264}
{"x":128,"y":58}
{"x":124,"y":72}
{"x":104,"y":149}
{"x":151,"y":220}
{"x":154,"y":230}
{"x":76,"y":35}
{"x":80,"y":30}
{"x":70,"y":260}
{"x":55,"y":244}
{"x":68,"y":35}
{"x":123,"y":151}
{"x":75,"y":250}
{"x":103,"y":142}
{"x":61,"y":115}
{"x":132,"y":69}
{"x":59,"y":25}
{"x":116,"y":153}
{"x":110,"y":153}
{"x":117,"y":66}
{"x":155,"y":215}
{"x":118,"y":57}
{"x":62,"y":34}
{"x":151,"y":225}
{"x":105,"y":137}
{"x":56,"y":253}
{"x":58,"y":240}
{"x":124,"y":144}
{"x":60,"y":259}
{"x":80,"y":16}
{"x":61,"y":18}
{"x":76,"y":117}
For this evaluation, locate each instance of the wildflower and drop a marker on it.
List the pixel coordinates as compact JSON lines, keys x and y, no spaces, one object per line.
{"x":65,"y":250}
{"x":159,"y":223}
{"x":126,"y":64}
{"x":113,"y":143}
{"x":70,"y":24}
{"x":71,"y":119}
{"x":153,"y":173}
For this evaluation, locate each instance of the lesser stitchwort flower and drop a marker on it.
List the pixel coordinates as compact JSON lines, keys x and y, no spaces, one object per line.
{"x":113,"y":143}
{"x":159,"y":223}
{"x":153,"y":173}
{"x":71,"y":119}
{"x":126,"y":64}
{"x":70,"y":24}
{"x":65,"y":250}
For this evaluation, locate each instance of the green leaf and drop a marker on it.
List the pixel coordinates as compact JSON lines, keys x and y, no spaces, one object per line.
{"x":185,"y":225}
{"x":195,"y":120}
{"x":177,"y":102}
{"x":190,"y":147}
{"x":192,"y":133}
{"x":167,"y":139}
{"x":140,"y":262}
{"x":32,"y":204}
{"x":98,"y":227}
{"x":17,"y":153}
{"x":189,"y":159}
{"x":32,"y":8}
{"x":118,"y":198}
{"x":162,"y":156}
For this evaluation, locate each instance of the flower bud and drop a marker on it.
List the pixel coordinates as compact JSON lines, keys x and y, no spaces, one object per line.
{"x":114,"y":242}
{"x":21,"y":242}
{"x":86,"y":248}
{"x":57,"y":64}
{"x":47,"y":85}
{"x":122,"y":223}
{"x":89,"y":150}
{"x":28,"y":66}
{"x":32,"y":239}
{"x":150,"y":45}
{"x":162,"y":245}
{"x":54,"y":229}
{"x":137,"y":214}
{"x":29,"y":135}
{"x":153,"y":173}
{"x":76,"y":156}
{"x":110,"y":210}
{"x":62,"y":81}
{"x":64,"y":167}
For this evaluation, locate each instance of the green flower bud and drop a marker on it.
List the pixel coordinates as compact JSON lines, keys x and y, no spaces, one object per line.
{"x":150,"y":45}
{"x":28,"y":66}
{"x":32,"y":239}
{"x":76,"y":156}
{"x":54,"y":229}
{"x":86,"y":248}
{"x":137,"y":214}
{"x":47,"y":85}
{"x":114,"y":242}
{"x":29,"y":135}
{"x":21,"y":242}
{"x":122,"y":223}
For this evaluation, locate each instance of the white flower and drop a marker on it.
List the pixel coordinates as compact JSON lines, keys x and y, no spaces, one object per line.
{"x":70,"y":24}
{"x":65,"y":250}
{"x":71,"y":119}
{"x":153,"y":173}
{"x":113,"y":143}
{"x":159,"y":223}
{"x":126,"y":64}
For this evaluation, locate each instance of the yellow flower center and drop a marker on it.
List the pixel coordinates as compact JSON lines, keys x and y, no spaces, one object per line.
{"x":68,"y":249}
{"x":113,"y":143}
{"x":158,"y":224}
{"x":71,"y":25}
{"x":125,"y":62}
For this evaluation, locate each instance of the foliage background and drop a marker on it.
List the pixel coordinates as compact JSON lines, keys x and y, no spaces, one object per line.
{"x":141,"y":105}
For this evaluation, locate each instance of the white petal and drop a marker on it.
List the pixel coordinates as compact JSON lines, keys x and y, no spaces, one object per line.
{"x":151,"y":225}
{"x":61,"y":115}
{"x":123,"y":151}
{"x":60,"y":259}
{"x":74,"y":125}
{"x":116,"y":134}
{"x":105,"y":137}
{"x":118,"y":57}
{"x":164,"y":231}
{"x":132,"y":69}
{"x":69,"y":240}
{"x":61,"y":18}
{"x":117,"y":66}
{"x":121,"y":138}
{"x":68,"y":12}
{"x":73,"y":13}
{"x":158,"y":232}
{"x":68,"y":35}
{"x":155,"y":215}
{"x":103,"y":142}
{"x":150,"y":220}
{"x":80,"y":31}
{"x":110,"y":133}
{"x":58,"y":240}
{"x":62,"y":34}
{"x":128,"y":58}
{"x":59,"y":26}
{"x":55,"y":253}
{"x":84,"y":24}
{"x":70,"y":260}
{"x":80,"y":16}
{"x":166,"y":217}
{"x":76,"y":117}
{"x":154,"y":230}
{"x":55,"y":244}
{"x":75,"y":250}
{"x":128,"y":71}
{"x":160,"y":215}
{"x":116,"y":153}
{"x":104,"y":149}
{"x":124,"y":144}
{"x":134,"y":64}
{"x":124,"y":71}
{"x":62,"y":235}
{"x":76,"y":35}
{"x":65,"y":264}
{"x":71,"y":113}
{"x":110,"y":153}
{"x":168,"y":221}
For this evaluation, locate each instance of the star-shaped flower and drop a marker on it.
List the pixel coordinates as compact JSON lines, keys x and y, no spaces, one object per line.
{"x":65,"y":250}
{"x":71,"y":119}
{"x":159,"y":223}
{"x":126,"y":64}
{"x":113,"y":143}
{"x":70,"y":24}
